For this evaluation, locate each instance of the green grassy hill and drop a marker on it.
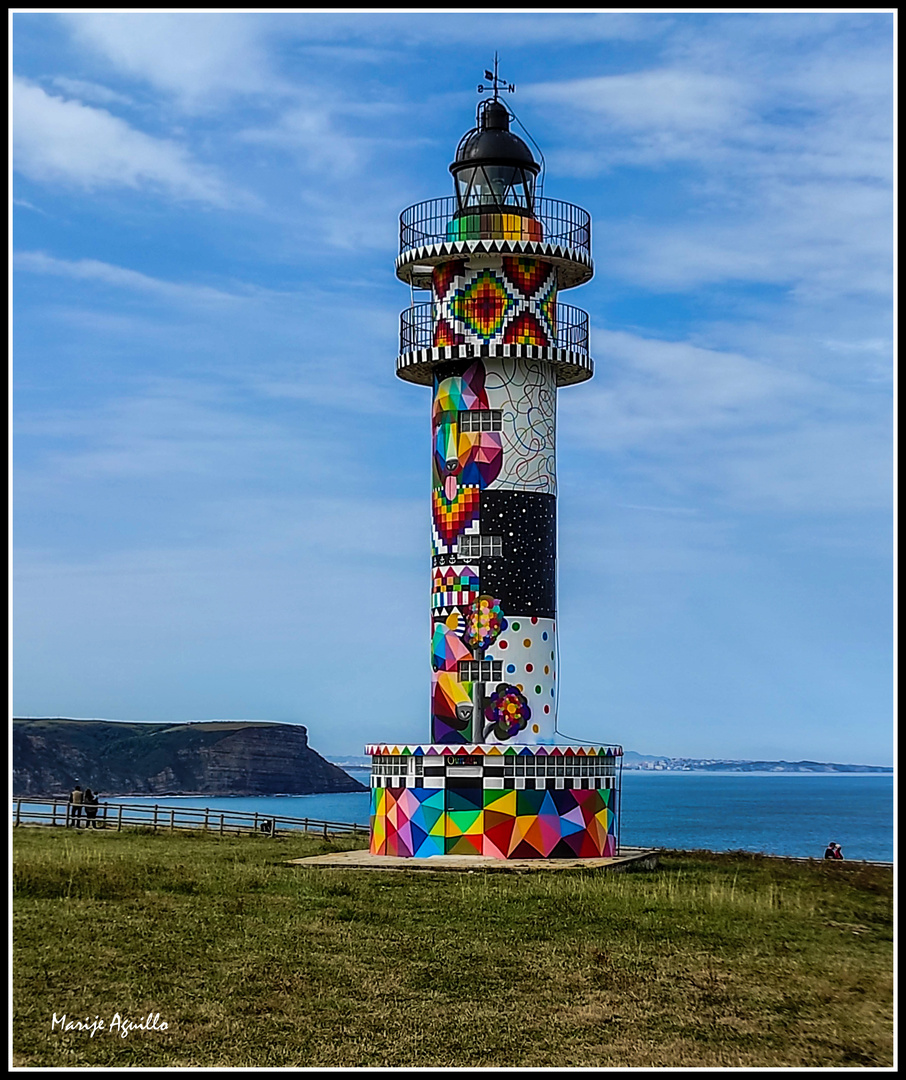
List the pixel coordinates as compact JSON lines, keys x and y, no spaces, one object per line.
{"x":712,"y":961}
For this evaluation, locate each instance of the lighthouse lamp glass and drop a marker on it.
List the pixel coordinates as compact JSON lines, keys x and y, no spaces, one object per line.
{"x":495,"y":185}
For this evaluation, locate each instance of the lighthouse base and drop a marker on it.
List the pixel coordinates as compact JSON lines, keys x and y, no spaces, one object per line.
{"x":506,"y":802}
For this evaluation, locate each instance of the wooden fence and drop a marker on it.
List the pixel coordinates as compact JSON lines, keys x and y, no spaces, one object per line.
{"x":31,"y":811}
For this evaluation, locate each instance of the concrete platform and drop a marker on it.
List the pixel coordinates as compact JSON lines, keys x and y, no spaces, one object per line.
{"x":628,"y":859}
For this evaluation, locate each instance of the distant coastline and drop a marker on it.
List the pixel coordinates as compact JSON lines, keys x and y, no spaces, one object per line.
{"x":634,"y":762}
{"x":650,"y":763}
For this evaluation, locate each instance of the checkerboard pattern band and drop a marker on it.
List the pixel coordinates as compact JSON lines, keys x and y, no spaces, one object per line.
{"x":574,"y":265}
{"x":418,"y":366}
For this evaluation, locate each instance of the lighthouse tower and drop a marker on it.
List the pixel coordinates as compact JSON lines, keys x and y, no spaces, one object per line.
{"x":494,"y":344}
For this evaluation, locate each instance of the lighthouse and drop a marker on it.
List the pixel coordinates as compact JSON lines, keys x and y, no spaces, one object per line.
{"x":495,"y":344}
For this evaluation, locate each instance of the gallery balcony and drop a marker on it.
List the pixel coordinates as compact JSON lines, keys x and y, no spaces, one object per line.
{"x":566,"y":346}
{"x":555,"y":231}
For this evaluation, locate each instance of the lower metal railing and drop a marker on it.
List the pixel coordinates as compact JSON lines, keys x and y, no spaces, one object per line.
{"x":117,"y":816}
{"x":418,"y":326}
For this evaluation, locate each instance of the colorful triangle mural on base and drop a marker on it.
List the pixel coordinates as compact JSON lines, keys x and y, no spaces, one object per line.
{"x":503,"y":824}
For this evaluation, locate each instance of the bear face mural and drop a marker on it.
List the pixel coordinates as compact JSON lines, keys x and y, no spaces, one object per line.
{"x":464,"y":457}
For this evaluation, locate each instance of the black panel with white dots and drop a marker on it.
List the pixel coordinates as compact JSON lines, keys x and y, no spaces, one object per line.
{"x":524,"y":578}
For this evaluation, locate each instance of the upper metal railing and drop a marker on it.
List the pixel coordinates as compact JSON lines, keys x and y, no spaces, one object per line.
{"x":417,"y":328}
{"x":435,"y":222}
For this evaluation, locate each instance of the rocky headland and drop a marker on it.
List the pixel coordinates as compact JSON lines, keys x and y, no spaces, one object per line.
{"x":51,"y":755}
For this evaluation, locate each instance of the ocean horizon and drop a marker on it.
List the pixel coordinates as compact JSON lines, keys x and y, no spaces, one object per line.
{"x":786,"y":814}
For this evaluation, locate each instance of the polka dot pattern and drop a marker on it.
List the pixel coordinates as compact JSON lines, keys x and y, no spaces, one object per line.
{"x":530,"y":666}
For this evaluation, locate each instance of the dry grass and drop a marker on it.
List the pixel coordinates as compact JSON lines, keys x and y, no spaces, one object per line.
{"x":711,"y":961}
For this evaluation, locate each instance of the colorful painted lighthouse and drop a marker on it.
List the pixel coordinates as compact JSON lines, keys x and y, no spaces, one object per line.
{"x":494,"y":343}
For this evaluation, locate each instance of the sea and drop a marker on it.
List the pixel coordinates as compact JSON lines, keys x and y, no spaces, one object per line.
{"x":791,"y":814}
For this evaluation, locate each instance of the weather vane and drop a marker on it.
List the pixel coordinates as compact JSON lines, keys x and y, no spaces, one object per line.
{"x":497,"y":84}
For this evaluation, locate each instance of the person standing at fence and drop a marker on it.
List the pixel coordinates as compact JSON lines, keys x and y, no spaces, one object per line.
{"x":91,"y":808}
{"x":76,"y":798}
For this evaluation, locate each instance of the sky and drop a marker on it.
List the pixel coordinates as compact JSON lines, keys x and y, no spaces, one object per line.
{"x":220,"y":500}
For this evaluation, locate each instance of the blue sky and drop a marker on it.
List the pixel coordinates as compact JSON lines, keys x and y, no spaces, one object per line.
{"x":221,"y":490}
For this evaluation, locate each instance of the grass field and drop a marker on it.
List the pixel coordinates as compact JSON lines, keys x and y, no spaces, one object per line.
{"x":712,"y":960}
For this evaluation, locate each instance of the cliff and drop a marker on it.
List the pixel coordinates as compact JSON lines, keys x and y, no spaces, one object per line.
{"x":50,"y":756}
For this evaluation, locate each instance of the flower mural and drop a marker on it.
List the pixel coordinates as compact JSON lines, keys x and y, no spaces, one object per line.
{"x":506,"y":713}
{"x":484,"y":623}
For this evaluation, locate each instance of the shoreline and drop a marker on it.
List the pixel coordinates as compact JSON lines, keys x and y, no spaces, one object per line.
{"x":304,"y":794}
{"x":64,"y":795}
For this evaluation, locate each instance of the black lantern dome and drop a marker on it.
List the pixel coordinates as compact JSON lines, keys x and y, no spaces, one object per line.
{"x":494,"y":170}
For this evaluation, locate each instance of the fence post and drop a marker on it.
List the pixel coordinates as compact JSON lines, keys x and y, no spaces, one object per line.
{"x":221,"y":824}
{"x":18,"y":809}
{"x":53,"y":820}
{"x":305,"y":827}
{"x":172,"y":816}
{"x":119,"y":819}
{"x":104,"y":826}
{"x":325,"y":830}
{"x":256,"y":822}
{"x":207,"y":811}
{"x":155,"y":817}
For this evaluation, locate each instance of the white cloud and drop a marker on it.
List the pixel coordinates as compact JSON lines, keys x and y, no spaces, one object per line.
{"x":172,"y":431}
{"x":695,"y":420}
{"x":822,"y":239}
{"x":198,"y":325}
{"x":835,"y":466}
{"x":65,"y":142}
{"x":198,"y":57}
{"x":36,"y":262}
{"x":29,"y":206}
{"x":658,"y":99}
{"x":660,"y":390}
{"x":89,"y":91}
{"x":515,"y":29}
{"x":787,"y":161}
{"x":311,"y":132}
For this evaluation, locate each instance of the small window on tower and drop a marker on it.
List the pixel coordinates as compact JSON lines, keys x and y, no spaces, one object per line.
{"x":476,"y":547}
{"x":481,"y":420}
{"x":480,"y":670}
